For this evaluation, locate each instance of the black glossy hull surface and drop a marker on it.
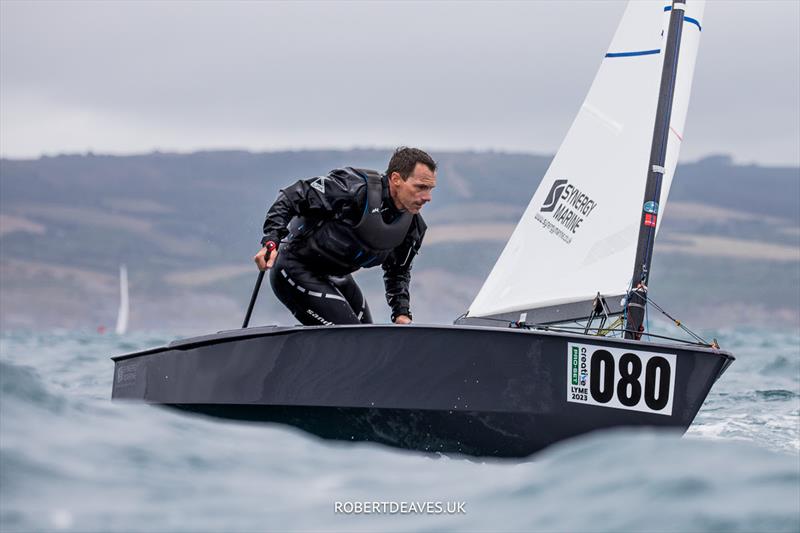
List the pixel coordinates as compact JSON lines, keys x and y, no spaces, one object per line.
{"x":453,"y":389}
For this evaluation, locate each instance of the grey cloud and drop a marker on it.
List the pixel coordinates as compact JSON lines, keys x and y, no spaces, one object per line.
{"x":141,"y":75}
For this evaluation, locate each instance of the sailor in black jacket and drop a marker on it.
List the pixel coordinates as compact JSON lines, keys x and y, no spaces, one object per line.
{"x":328,"y":227}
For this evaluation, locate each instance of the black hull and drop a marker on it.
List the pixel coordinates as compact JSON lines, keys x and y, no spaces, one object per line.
{"x":451,"y":389}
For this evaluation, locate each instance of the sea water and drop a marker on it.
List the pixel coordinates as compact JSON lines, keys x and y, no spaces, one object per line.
{"x":71,"y":460}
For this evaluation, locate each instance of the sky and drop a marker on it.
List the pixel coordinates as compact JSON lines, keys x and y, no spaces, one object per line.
{"x":132,"y":77}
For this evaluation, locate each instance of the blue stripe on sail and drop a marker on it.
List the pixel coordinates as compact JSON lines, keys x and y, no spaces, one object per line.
{"x":693,"y":21}
{"x":630,"y":54}
{"x":690,"y":20}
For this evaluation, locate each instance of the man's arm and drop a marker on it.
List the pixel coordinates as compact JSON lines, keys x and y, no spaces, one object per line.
{"x":301,"y":198}
{"x":317,"y":197}
{"x":397,"y":274}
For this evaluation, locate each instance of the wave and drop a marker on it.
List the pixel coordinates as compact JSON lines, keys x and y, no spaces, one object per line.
{"x":23,"y":384}
{"x":73,"y":460}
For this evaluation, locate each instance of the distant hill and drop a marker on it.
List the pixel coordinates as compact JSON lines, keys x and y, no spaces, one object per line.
{"x":187,"y":225}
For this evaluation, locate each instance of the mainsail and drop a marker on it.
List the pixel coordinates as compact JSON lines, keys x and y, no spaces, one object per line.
{"x":578,"y":236}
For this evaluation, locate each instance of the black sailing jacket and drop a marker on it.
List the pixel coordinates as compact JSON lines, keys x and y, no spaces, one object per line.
{"x":330,"y":206}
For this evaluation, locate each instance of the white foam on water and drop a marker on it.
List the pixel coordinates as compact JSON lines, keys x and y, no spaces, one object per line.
{"x":102,"y":466}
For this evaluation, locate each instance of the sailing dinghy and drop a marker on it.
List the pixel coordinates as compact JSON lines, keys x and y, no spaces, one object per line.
{"x":509,"y":377}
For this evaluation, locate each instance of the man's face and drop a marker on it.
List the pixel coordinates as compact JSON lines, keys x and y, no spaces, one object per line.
{"x":413,"y":193}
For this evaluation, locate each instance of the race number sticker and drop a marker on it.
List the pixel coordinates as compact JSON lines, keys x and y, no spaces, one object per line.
{"x":620,"y":378}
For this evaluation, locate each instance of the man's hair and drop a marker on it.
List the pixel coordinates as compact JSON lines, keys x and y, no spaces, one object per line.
{"x":405,"y":159}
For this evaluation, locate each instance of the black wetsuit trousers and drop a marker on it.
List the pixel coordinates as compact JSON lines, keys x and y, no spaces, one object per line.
{"x":316,"y":299}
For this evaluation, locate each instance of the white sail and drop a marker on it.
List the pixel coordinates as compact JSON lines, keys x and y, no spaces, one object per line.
{"x":122,"y":314}
{"x":578,"y":235}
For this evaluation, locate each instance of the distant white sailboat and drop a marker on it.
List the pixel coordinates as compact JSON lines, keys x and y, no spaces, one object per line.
{"x":124,"y":308}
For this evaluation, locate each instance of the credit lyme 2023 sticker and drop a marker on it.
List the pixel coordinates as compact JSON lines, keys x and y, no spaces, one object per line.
{"x":621,"y":378}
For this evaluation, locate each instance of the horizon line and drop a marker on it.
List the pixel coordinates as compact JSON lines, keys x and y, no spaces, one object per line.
{"x":180,"y":152}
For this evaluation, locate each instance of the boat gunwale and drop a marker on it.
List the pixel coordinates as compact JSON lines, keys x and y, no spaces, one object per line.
{"x":264,"y":331}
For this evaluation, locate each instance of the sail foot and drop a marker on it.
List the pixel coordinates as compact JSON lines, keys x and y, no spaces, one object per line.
{"x":552,"y":314}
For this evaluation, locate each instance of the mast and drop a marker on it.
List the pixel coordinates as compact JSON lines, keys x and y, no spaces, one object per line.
{"x":637,"y":297}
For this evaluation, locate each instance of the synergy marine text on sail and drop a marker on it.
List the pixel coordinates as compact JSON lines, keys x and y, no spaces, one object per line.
{"x":566,"y":207}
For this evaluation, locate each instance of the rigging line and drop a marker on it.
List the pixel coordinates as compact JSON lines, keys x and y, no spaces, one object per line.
{"x":573,"y":329}
{"x":690,"y":332}
{"x":610,"y":330}
{"x":568,"y":329}
{"x":678,"y":323}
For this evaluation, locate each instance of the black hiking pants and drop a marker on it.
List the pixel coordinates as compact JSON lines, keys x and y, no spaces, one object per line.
{"x":316,"y":299}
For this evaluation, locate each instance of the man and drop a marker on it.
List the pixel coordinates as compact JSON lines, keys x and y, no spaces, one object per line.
{"x":321,"y":230}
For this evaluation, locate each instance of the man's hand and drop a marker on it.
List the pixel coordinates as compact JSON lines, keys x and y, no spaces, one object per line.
{"x":265,"y":258}
{"x":402,"y":319}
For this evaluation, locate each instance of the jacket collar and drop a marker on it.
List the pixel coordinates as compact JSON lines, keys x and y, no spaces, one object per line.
{"x":387,"y":200}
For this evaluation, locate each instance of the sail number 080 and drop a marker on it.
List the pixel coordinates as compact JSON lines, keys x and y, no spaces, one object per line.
{"x":621,"y":378}
{"x":603,"y":380}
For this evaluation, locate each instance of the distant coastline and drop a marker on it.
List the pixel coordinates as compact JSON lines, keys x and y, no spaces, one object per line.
{"x":186,"y":224}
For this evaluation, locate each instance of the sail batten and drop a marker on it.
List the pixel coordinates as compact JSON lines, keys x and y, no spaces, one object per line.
{"x":578,"y":235}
